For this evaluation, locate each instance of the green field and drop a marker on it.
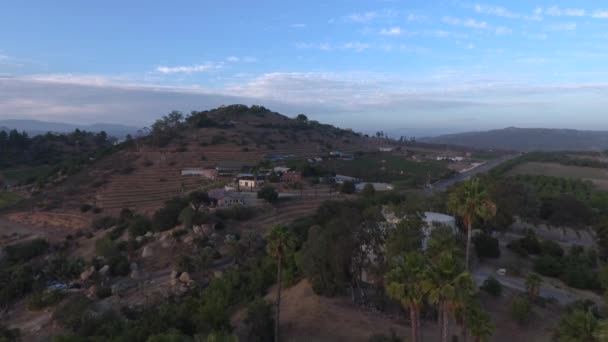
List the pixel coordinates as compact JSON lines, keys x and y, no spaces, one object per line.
{"x":598,"y":176}
{"x":8,"y":199}
{"x":382,"y":167}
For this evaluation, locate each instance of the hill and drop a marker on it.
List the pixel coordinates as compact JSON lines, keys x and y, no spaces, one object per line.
{"x":528,"y":139}
{"x":142,"y":173}
{"x":36,"y":127}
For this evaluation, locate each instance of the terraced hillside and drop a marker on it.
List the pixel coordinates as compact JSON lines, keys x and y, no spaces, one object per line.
{"x":146,"y":171}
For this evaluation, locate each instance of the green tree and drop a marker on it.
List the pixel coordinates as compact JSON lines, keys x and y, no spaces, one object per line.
{"x":269,"y":194}
{"x":521,"y":310}
{"x":577,"y":326}
{"x":533,"y":283}
{"x":470,"y":201}
{"x":348,"y":188}
{"x":260,"y":321}
{"x":281,"y":241}
{"x":405,"y":283}
{"x":478,"y":323}
{"x":368,"y":190}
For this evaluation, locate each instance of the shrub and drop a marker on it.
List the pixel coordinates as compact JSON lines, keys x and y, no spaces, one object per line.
{"x":116,"y":232}
{"x":139,"y":225}
{"x":238,"y":213}
{"x":44,"y":299}
{"x":368,"y":190}
{"x":119,"y":266}
{"x":269,"y":194}
{"x":97,"y":210}
{"x":106,"y":248}
{"x":521,"y":310}
{"x":492,"y":286}
{"x":260,"y":321}
{"x":168,"y":216}
{"x":548,"y":266}
{"x":103,"y":292}
{"x":104,"y":222}
{"x":71,"y":313}
{"x":486,"y":246}
{"x":348,"y":188}
{"x":185,"y":264}
{"x":26,"y":251}
{"x":85,"y":207}
{"x":552,"y":248}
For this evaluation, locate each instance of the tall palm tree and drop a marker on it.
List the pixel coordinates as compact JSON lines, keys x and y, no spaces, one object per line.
{"x":533,"y":283}
{"x":577,"y":325}
{"x":470,"y":201}
{"x":405,"y":283}
{"x":280,"y":242}
{"x":448,"y":287}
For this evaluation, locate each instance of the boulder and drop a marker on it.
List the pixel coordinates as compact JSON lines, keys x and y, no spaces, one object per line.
{"x":147,"y":251}
{"x":188,"y":239}
{"x":217,"y":274}
{"x":185,"y":278}
{"x":135,"y":274}
{"x":86,"y":274}
{"x":173,"y":278}
{"x":118,"y":289}
{"x":198,"y":230}
{"x":166,"y":244}
{"x":91,"y":292}
{"x":139,"y":239}
{"x":148,"y":234}
{"x":104,"y":270}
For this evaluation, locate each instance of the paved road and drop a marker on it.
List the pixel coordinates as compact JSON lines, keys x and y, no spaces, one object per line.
{"x":564,"y":295}
{"x":444,"y":184}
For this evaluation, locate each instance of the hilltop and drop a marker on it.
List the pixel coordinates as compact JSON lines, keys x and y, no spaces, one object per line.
{"x":528,"y":139}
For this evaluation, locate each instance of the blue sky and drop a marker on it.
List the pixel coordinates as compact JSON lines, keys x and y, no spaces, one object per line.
{"x":409,"y":67}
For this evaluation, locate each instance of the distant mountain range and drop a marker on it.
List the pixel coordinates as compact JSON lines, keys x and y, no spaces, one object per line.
{"x":527,"y":139}
{"x":35,"y":127}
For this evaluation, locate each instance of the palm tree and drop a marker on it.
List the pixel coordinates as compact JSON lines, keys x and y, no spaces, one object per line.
{"x":478,"y":323}
{"x":602,"y":331}
{"x":533,"y":283}
{"x":448,"y":287}
{"x":405,"y":284}
{"x":577,"y":325}
{"x":280,"y":242}
{"x":471,"y":201}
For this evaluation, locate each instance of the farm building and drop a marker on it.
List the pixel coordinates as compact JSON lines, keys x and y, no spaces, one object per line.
{"x":377,"y":186}
{"x":340,"y":179}
{"x":230,"y":168}
{"x":291,"y":176}
{"x":248,"y":180}
{"x":224,"y":199}
{"x":385,"y":149}
{"x":202,"y":172}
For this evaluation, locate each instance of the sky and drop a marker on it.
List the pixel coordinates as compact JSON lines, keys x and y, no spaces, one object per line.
{"x":405,"y":67}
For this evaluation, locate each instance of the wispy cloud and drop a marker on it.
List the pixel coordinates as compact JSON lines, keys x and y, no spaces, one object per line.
{"x":369,"y":16}
{"x":206,"y":67}
{"x":476,"y":24}
{"x":555,"y":11}
{"x":600,"y":14}
{"x":563,"y":27}
{"x":503,"y":12}
{"x":299,"y":26}
{"x":356,"y":46}
{"x":392,"y":31}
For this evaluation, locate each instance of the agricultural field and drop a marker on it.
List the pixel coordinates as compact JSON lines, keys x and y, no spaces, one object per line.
{"x":597,"y":176}
{"x":8,"y":199}
{"x":382,"y":167}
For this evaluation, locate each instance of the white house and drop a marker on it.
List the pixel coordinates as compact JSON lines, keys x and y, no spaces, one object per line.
{"x":250,"y":181}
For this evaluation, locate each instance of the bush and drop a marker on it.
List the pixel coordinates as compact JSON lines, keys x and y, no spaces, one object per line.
{"x":348,"y":188}
{"x":139,"y":225}
{"x":486,"y":246}
{"x":103,"y":292}
{"x":368,"y":190}
{"x":26,"y":251}
{"x":44,"y":299}
{"x":521,"y":310}
{"x":269,"y":194}
{"x":238,"y":213}
{"x":116,"y":232}
{"x":85,"y":207}
{"x":168,"y":216}
{"x":71,"y":313}
{"x":119,"y":266}
{"x":106,"y":248}
{"x":548,"y":266}
{"x":492,"y":286}
{"x":552,"y":248}
{"x":260,"y":321}
{"x":104,"y":222}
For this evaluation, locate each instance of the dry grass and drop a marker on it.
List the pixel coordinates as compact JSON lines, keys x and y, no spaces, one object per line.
{"x":597,"y":176}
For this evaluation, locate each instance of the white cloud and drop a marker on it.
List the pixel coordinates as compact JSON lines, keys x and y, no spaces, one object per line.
{"x":357,"y":46}
{"x":555,"y":11}
{"x":475,"y":24}
{"x":416,"y":18}
{"x":233,"y":59}
{"x":600,"y":14}
{"x":563,"y":27}
{"x":369,"y":16}
{"x":451,"y":20}
{"x":392,"y":31}
{"x":206,"y":67}
{"x":539,"y":36}
{"x":502,"y":30}
{"x":496,"y":11}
